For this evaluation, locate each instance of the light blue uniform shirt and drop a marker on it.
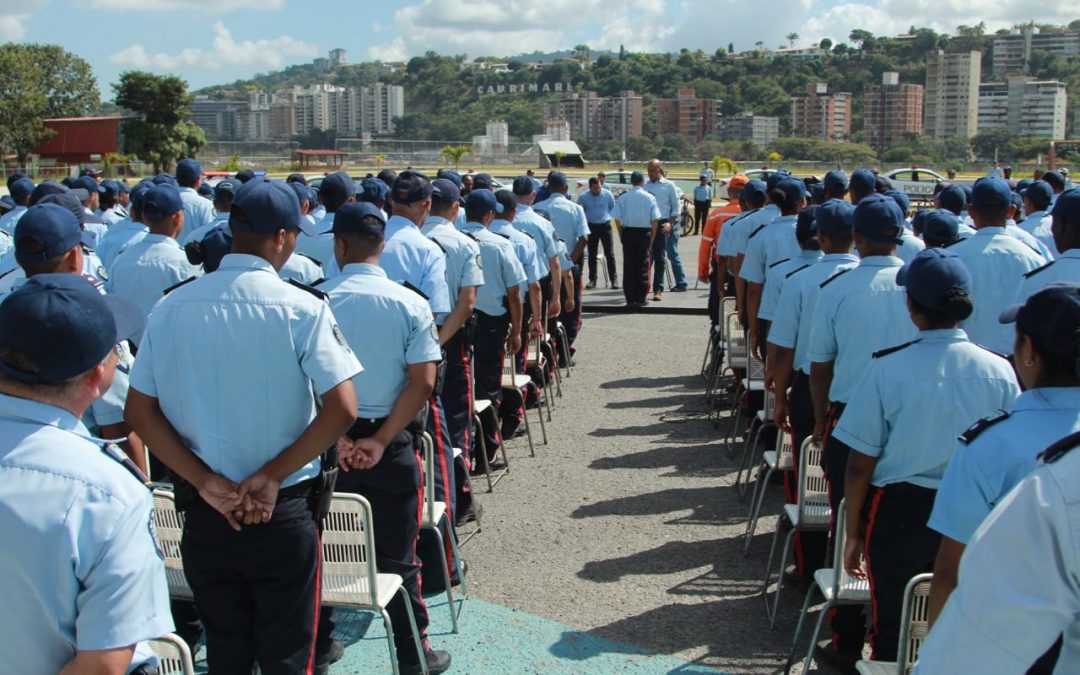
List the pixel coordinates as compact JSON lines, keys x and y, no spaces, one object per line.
{"x":1019,"y":583}
{"x":79,"y":568}
{"x":236,"y":359}
{"x":6,"y":242}
{"x":795,"y":309}
{"x":983,"y":471}
{"x":501,"y":270}
{"x":567,"y":218}
{"x":524,"y":249}
{"x":198,"y":211}
{"x":1038,"y":225}
{"x":1066,"y":267}
{"x":777,"y":276}
{"x":597,"y":207}
{"x":120,"y":236}
{"x":199,"y":233}
{"x":725,"y":245}
{"x":321,"y":246}
{"x":636,"y":209}
{"x":114,"y":216}
{"x":1014,"y":230}
{"x":910,"y":405}
{"x":463,"y":263}
{"x":302,"y":268}
{"x":389,"y":328}
{"x":11,"y":218}
{"x":147,"y":268}
{"x":909,"y":247}
{"x":858,"y":313}
{"x":543,"y":233}
{"x":776,"y":241}
{"x":410,"y":256}
{"x":997,"y":264}
{"x":703,"y":193}
{"x":666,"y":195}
{"x":740,"y":238}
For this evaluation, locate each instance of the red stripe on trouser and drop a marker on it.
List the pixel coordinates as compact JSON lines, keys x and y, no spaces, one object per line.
{"x":831,"y":419}
{"x":448,"y":487}
{"x":466,"y":452}
{"x":310,"y":668}
{"x":416,"y":560}
{"x":875,"y":504}
{"x":791,"y":496}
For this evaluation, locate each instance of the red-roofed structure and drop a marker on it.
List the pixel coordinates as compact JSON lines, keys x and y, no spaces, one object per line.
{"x":80,"y":140}
{"x":333,"y":158}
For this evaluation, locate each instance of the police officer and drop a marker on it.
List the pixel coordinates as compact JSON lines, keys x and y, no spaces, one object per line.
{"x":391,"y":329}
{"x":703,"y":195}
{"x":910,"y":245}
{"x":1066,"y":231}
{"x":997,"y":263}
{"x":112,"y":212}
{"x":20,"y":190}
{"x":246,"y":464}
{"x":299,"y":266}
{"x":940,"y":229}
{"x":779,"y":272}
{"x":761,"y":212}
{"x":571,"y":226}
{"x":498,"y":305}
{"x":1037,"y":221}
{"x":543,"y":233}
{"x":953,"y":199}
{"x":598,"y":204}
{"x":335,"y":191}
{"x":1017,"y":593}
{"x":82,"y":575}
{"x":127,"y":231}
{"x":999,"y":451}
{"x":842,"y":342}
{"x":409,"y":256}
{"x":525,"y":250}
{"x":198,"y":211}
{"x":373,"y":191}
{"x":88,"y":191}
{"x":639,"y":220}
{"x":143,"y":271}
{"x":901,"y":417}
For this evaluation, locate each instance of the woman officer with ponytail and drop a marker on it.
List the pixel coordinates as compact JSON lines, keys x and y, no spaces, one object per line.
{"x":901,"y":423}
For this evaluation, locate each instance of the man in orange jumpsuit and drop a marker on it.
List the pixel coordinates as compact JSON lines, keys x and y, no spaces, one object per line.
{"x":712,"y":269}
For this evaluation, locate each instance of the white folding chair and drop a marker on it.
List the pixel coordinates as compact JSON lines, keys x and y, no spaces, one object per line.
{"x":434,"y":515}
{"x":481,"y":406}
{"x":174,"y":657}
{"x":779,"y":459}
{"x":519,"y":383}
{"x":737,"y":348}
{"x":836,"y":586}
{"x":534,"y":356}
{"x":349,"y":576}
{"x":914,"y":626}
{"x":169,"y":526}
{"x":763,"y":419}
{"x":564,"y":347}
{"x":811,"y":514}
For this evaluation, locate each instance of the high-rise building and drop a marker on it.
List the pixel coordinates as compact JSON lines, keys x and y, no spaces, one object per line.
{"x":952,"y":94}
{"x":1012,"y":51}
{"x":761,"y":130}
{"x":338,"y":58}
{"x":381,"y":104}
{"x":598,"y":119}
{"x":891,"y":111}
{"x":217,"y":119}
{"x":1028,"y":106}
{"x":495,"y":141}
{"x":315,"y":107}
{"x":687,"y":115}
{"x":820,"y":114}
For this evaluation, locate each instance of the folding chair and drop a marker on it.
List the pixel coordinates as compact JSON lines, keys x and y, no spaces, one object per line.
{"x":914,"y":626}
{"x":480,"y":406}
{"x":780,"y":459}
{"x":174,"y":657}
{"x":811,"y":514}
{"x":753,"y":381}
{"x":534,"y":356}
{"x":736,"y":346}
{"x":519,"y":383}
{"x":762,"y":419}
{"x":720,"y":348}
{"x":169,"y":527}
{"x":349,"y":577}
{"x":837,"y":588}
{"x":434,"y":514}
{"x":564,"y":347}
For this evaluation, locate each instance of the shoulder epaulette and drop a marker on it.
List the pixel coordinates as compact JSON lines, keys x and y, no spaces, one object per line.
{"x":972,"y":432}
{"x":87,"y":249}
{"x":437,"y":243}
{"x":953,"y":243}
{"x":470,"y":235}
{"x":754,"y":233}
{"x":9,"y":272}
{"x":304,"y":287}
{"x":796,"y":271}
{"x":893,"y":350}
{"x":779,"y":262}
{"x":986,"y":349}
{"x":1060,"y":448}
{"x":414,"y":289}
{"x":305,"y":255}
{"x":834,"y":277}
{"x":94,"y":281}
{"x":1035,"y":271}
{"x":112,"y":451}
{"x":504,"y":236}
{"x":172,"y":288}
{"x":527,"y":235}
{"x":317,"y":282}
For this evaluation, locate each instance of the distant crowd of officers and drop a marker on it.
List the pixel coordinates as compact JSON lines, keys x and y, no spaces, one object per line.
{"x":936,"y":356}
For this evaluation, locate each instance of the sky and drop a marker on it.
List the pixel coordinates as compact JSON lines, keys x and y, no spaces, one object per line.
{"x":218,"y":41}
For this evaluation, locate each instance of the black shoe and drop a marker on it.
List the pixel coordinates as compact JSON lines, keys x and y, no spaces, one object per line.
{"x":843,"y":662}
{"x":681,"y":288}
{"x":333,"y":654}
{"x":455,"y":580}
{"x":438,"y":661}
{"x":469,"y":515}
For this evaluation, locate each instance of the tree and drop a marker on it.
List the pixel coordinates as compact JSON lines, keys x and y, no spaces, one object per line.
{"x":722,"y":165}
{"x":731,"y":48}
{"x":862,"y":38}
{"x":559,"y":156}
{"x":454,"y":153}
{"x":158,"y":132}
{"x":825,"y":44}
{"x":791,"y":38}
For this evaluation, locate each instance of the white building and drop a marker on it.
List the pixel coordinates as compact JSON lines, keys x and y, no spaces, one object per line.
{"x":1012,"y":51}
{"x":338,"y":57}
{"x":1028,"y":106}
{"x":952,"y":94}
{"x":495,"y":141}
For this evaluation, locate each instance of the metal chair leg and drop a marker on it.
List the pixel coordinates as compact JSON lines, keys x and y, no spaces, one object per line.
{"x":446,"y":577}
{"x":415,"y":631}
{"x":798,"y":628}
{"x":817,"y":631}
{"x":780,"y":578}
{"x":395,"y":667}
{"x":755,"y":509}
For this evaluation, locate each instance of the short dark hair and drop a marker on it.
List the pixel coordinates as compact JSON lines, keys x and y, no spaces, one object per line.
{"x":363,"y":245}
{"x":474,"y":216}
{"x":594,"y":181}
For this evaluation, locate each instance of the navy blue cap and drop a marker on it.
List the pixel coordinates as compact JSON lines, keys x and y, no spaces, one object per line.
{"x":794,"y":189}
{"x":21,"y":189}
{"x":138,"y":192}
{"x":245,"y":175}
{"x":229,"y":185}
{"x":161,"y":201}
{"x":46,"y":231}
{"x":67,"y":200}
{"x":205,"y":191}
{"x":359,"y":218}
{"x":1055,"y":179}
{"x":967,"y":194}
{"x":1023,"y":184}
{"x":215,"y":245}
{"x":932,"y":274}
{"x":297,"y":178}
{"x":835,"y":216}
{"x":265,"y":206}
{"x":901,"y":200}
{"x":755,"y":188}
{"x":775,"y":178}
{"x":14,"y":176}
{"x":372,"y":190}
{"x":410,"y":186}
{"x":637,"y":177}
{"x":336,"y":187}
{"x":940,"y":227}
{"x":863,"y":181}
{"x":90,"y":171}
{"x":188,"y":171}
{"x":878,"y":218}
{"x":523,"y":185}
{"x":302,"y":194}
{"x":1051,"y":316}
{"x":388,"y":176}
{"x":917,"y":220}
{"x":835,"y":179}
{"x":817,"y":193}
{"x":482,"y":181}
{"x":1040,"y":193}
{"x":1067,"y":207}
{"x":805,"y":224}
{"x":882,"y":184}
{"x":89,"y":184}
{"x":507,"y":200}
{"x":482,"y":201}
{"x":110,"y":187}
{"x":556,"y":180}
{"x":62,"y":326}
{"x":953,"y":198}
{"x":443,"y":191}
{"x":1018,"y":202}
{"x":165,"y":179}
{"x":452,"y":176}
{"x":991,"y":194}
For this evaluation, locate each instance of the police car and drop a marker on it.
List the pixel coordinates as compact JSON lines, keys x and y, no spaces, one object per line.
{"x":915,"y":182}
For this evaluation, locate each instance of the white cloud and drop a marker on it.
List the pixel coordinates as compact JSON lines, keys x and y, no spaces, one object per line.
{"x":224,"y":52}
{"x":211,"y":7}
{"x":13,"y":15}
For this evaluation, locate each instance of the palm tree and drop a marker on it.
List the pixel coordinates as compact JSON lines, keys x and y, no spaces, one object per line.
{"x":455,"y":152}
{"x":791,"y":38}
{"x":379,"y":159}
{"x":558,"y":155}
